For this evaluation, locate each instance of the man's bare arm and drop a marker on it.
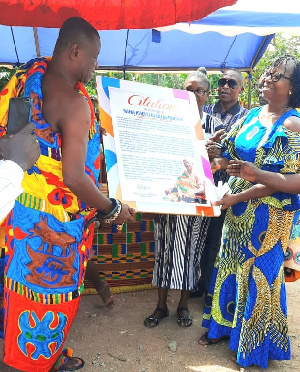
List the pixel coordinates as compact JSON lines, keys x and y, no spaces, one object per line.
{"x":75,"y":130}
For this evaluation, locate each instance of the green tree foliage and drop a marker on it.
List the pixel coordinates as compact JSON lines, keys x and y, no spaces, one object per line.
{"x":5,"y":75}
{"x":280,"y":45}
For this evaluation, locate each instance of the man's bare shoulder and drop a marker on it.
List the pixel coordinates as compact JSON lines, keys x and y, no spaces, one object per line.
{"x":62,"y":103}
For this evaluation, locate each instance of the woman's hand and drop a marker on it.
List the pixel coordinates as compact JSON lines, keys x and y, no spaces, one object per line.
{"x":243,"y":169}
{"x":227,"y":201}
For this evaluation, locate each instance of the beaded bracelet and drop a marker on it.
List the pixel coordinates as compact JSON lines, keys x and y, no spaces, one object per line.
{"x":113,"y":214}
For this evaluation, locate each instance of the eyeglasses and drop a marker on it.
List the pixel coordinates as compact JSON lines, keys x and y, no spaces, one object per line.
{"x":275,"y":76}
{"x":230,"y":82}
{"x":199,"y":91}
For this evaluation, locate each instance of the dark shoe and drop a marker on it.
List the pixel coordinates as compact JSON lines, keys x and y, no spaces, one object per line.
{"x":66,"y":362}
{"x":183,"y":317}
{"x":73,"y":364}
{"x":154,"y":319}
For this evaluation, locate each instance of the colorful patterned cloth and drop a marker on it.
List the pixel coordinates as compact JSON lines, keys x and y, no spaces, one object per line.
{"x":247,"y":299}
{"x":292,"y":255}
{"x":47,"y":239}
{"x":186,"y":188}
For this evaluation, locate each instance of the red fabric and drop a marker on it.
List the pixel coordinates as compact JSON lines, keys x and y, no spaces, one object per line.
{"x":107,"y":14}
{"x":15,"y":305}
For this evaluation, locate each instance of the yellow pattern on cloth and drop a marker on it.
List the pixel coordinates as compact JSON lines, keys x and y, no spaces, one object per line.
{"x":48,"y":238}
{"x":249,"y":301}
{"x":51,"y":195}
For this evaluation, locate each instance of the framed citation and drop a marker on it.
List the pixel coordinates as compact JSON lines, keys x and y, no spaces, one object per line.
{"x":154,"y":149}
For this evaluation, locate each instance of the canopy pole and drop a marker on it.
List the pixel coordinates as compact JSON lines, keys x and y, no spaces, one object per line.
{"x":249,"y":89}
{"x":125,"y":56}
{"x":36,"y":40}
{"x":14,"y":40}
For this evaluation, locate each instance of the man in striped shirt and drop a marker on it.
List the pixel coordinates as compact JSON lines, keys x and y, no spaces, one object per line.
{"x":228,"y":111}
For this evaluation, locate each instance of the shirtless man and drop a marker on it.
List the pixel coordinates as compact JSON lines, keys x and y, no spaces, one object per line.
{"x":49,"y":234}
{"x":69,"y":113}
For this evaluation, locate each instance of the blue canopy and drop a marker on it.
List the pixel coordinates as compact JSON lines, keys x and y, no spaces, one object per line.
{"x":137,"y":50}
{"x":230,"y":37}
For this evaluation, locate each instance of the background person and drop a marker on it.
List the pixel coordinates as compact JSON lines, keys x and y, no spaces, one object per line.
{"x":179,"y":239}
{"x":247,"y":293}
{"x":17,"y":153}
{"x":228,"y":110}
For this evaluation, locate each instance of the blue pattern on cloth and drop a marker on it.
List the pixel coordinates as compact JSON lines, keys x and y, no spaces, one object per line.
{"x":274,"y":150}
{"x":247,"y":299}
{"x":48,"y":259}
{"x":46,"y":265}
{"x":32,"y":334}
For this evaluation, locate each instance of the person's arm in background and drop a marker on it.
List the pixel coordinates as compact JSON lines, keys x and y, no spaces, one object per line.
{"x":214,"y":152}
{"x":18,"y":152}
{"x":255,"y":192}
{"x":289,"y":183}
{"x":11,"y":176}
{"x":267,"y":183}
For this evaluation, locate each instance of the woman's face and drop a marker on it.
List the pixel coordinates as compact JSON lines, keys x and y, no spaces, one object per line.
{"x":199,"y":88}
{"x":276,"y":82}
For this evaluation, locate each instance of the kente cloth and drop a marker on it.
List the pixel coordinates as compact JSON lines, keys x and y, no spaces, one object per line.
{"x":292,"y":254}
{"x":48,"y":237}
{"x":247,"y":297}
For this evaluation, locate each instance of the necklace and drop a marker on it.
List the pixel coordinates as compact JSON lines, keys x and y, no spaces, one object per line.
{"x":278,"y":112}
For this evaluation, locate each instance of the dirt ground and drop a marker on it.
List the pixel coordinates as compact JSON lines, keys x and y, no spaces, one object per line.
{"x":116,"y":340}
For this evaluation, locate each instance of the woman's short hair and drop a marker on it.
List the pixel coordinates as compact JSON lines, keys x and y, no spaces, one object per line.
{"x":200,"y":75}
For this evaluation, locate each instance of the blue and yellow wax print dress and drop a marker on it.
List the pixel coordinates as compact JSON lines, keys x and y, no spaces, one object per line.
{"x":47,"y":238}
{"x":247,"y":299}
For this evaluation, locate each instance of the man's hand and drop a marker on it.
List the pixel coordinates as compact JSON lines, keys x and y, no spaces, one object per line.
{"x":218,"y":136}
{"x":213,"y":150}
{"x":243,"y":169}
{"x":125,"y":215}
{"x":21,"y":148}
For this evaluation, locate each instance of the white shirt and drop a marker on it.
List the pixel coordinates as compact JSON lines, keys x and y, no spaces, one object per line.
{"x":11,"y":176}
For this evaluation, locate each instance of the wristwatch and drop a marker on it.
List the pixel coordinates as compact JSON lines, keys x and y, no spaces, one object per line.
{"x":113,"y":214}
